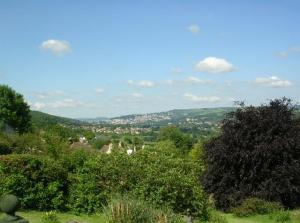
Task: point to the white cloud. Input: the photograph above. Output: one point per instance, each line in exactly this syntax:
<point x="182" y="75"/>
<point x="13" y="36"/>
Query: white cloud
<point x="289" y="51"/>
<point x="137" y="95"/>
<point x="169" y="82"/>
<point x="195" y="98"/>
<point x="49" y="94"/>
<point x="214" y="65"/>
<point x="176" y="70"/>
<point x="143" y="83"/>
<point x="99" y="90"/>
<point x="37" y="105"/>
<point x="194" y="28"/>
<point x="272" y="81"/>
<point x="58" y="47"/>
<point x="58" y="104"/>
<point x="196" y="80"/>
<point x="66" y="103"/>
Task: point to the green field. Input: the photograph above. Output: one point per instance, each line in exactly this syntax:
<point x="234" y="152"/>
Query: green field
<point x="35" y="217"/>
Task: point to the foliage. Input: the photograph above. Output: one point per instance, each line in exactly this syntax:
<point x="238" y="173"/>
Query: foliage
<point x="100" y="141"/>
<point x="158" y="181"/>
<point x="50" y="217"/>
<point x="42" y="120"/>
<point x="73" y="159"/>
<point x="281" y="216"/>
<point x="14" y="111"/>
<point x="129" y="210"/>
<point x="28" y="143"/>
<point x="150" y="175"/>
<point x="182" y="141"/>
<point x="196" y="153"/>
<point x="253" y="206"/>
<point x="39" y="182"/>
<point x="256" y="155"/>
<point x="5" y="144"/>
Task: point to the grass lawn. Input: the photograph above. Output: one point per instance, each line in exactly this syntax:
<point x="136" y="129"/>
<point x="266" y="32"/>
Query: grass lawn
<point x="35" y="217"/>
<point x="295" y="217"/>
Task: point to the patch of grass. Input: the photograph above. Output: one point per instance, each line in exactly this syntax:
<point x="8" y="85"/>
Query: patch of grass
<point x="231" y="218"/>
<point x="36" y="217"/>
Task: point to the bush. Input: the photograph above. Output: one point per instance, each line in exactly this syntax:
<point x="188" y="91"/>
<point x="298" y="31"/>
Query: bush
<point x="156" y="175"/>
<point x="256" y="155"/>
<point x="99" y="178"/>
<point x="129" y="210"/>
<point x="169" y="180"/>
<point x="39" y="182"/>
<point x="253" y="206"/>
<point x="5" y="144"/>
<point x="50" y="217"/>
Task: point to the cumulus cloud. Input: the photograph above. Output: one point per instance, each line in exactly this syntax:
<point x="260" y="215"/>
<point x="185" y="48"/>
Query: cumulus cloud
<point x="143" y="83"/>
<point x="58" y="47"/>
<point x="194" y="28"/>
<point x="196" y="80"/>
<point x="272" y="81"/>
<point x="289" y="51"/>
<point x="195" y="98"/>
<point x="214" y="65"/>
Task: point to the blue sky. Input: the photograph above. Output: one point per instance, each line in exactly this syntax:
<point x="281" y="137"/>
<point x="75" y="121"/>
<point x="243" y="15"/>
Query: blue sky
<point x="108" y="58"/>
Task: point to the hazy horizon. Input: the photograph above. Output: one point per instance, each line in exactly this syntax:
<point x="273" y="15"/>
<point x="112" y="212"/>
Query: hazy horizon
<point x="94" y="59"/>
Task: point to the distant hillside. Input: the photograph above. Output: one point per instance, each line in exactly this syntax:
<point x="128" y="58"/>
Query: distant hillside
<point x="177" y="117"/>
<point x="40" y="120"/>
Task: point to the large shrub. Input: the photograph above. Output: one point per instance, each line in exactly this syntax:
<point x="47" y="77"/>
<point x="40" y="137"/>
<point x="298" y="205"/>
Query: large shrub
<point x="157" y="175"/>
<point x="256" y="155"/>
<point x="166" y="178"/>
<point x="39" y="182"/>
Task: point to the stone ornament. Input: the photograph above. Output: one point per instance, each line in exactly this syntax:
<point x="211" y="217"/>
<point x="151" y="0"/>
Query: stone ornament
<point x="9" y="204"/>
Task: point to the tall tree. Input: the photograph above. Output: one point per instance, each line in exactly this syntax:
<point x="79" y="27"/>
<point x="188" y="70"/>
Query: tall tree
<point x="256" y="155"/>
<point x="14" y="111"/>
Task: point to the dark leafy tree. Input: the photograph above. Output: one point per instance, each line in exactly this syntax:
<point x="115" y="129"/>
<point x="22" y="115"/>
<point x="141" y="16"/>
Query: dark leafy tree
<point x="14" y="112"/>
<point x="256" y="155"/>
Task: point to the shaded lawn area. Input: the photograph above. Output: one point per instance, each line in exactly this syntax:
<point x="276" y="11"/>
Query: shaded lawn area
<point x="36" y="217"/>
<point x="295" y="218"/>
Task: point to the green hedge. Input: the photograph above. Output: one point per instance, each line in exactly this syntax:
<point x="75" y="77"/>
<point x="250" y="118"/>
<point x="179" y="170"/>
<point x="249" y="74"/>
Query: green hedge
<point x="39" y="182"/>
<point x="163" y="179"/>
<point x="84" y="182"/>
